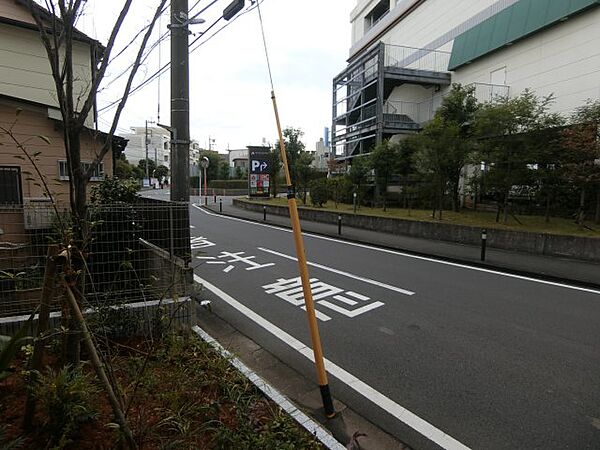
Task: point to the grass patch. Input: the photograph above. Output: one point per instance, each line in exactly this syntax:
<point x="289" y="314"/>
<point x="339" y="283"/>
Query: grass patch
<point x="479" y="219"/>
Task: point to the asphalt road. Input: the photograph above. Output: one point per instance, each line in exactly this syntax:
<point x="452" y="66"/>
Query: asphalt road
<point x="431" y="351"/>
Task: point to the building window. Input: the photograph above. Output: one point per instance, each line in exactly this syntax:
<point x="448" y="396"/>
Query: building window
<point x="10" y="186"/>
<point x="166" y="145"/>
<point x="377" y="14"/>
<point x="166" y="158"/>
<point x="63" y="171"/>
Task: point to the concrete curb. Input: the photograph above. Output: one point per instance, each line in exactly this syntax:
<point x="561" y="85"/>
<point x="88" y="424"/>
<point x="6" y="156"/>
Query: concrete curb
<point x="482" y="265"/>
<point x="320" y="433"/>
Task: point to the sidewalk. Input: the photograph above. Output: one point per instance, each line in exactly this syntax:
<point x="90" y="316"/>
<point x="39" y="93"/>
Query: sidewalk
<point x="550" y="268"/>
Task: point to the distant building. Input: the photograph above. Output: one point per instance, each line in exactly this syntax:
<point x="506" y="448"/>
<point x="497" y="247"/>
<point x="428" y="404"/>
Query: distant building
<point x="405" y="54"/>
<point x="158" y="140"/>
<point x="321" y="156"/>
<point x="238" y="158"/>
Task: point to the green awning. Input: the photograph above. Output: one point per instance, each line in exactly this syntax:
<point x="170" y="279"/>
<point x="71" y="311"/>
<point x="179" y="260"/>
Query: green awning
<point x="516" y="22"/>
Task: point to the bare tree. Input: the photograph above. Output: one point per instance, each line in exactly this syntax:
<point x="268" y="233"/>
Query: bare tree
<point x="57" y="27"/>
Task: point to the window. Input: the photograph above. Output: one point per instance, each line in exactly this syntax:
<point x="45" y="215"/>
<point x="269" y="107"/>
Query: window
<point x="377" y="14"/>
<point x="63" y="171"/>
<point x="166" y="158"/>
<point x="10" y="186"/>
<point x="166" y="145"/>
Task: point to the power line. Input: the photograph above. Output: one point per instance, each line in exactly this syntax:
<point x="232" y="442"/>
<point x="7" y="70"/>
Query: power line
<point x="163" y="69"/>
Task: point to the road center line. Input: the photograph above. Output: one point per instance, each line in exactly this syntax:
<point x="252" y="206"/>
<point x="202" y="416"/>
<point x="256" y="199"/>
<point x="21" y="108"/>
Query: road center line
<point x="399" y="412"/>
<point x="408" y="255"/>
<point x="341" y="272"/>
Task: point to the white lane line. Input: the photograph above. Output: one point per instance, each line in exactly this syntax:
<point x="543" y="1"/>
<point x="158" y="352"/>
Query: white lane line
<point x="391" y="407"/>
<point x="408" y="255"/>
<point x="341" y="272"/>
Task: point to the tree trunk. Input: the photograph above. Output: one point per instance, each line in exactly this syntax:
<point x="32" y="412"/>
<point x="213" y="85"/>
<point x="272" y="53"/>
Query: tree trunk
<point x="455" y="196"/>
<point x="581" y="212"/>
<point x="505" y="207"/>
<point x="597" y="215"/>
<point x="78" y="186"/>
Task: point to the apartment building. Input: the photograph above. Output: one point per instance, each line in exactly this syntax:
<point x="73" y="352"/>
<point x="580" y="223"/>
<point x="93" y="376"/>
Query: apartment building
<point x="405" y="55"/>
<point x="151" y="142"/>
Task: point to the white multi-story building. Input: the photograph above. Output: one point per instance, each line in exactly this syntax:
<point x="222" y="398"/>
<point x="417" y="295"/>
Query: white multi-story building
<point x="405" y="55"/>
<point x="158" y="140"/>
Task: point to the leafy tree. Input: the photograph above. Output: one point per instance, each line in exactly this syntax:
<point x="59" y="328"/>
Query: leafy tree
<point x="318" y="192"/>
<point x="161" y="172"/>
<point x="506" y="129"/>
<point x="437" y="143"/>
<point x="406" y="166"/>
<point x="124" y="170"/>
<point x="224" y="171"/>
<point x="384" y="160"/>
<point x="582" y="156"/>
<point x="142" y="167"/>
<point x="304" y="173"/>
<point x="294" y="147"/>
<point x="359" y="176"/>
<point x="339" y="189"/>
<point x="214" y="163"/>
<point x="240" y="173"/>
<point x="274" y="169"/>
<point x="458" y="111"/>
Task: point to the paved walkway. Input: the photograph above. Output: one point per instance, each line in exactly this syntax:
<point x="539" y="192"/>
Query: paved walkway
<point x="552" y="268"/>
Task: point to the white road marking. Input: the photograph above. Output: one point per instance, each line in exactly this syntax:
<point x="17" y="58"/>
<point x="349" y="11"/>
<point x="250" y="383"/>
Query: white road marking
<point x="351" y="313"/>
<point x="319" y="315"/>
<point x="377" y="398"/>
<point x="408" y="255"/>
<point x="341" y="272"/>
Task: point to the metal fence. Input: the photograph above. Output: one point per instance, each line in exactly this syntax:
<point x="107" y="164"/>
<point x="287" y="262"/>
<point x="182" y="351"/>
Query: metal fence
<point x="133" y="252"/>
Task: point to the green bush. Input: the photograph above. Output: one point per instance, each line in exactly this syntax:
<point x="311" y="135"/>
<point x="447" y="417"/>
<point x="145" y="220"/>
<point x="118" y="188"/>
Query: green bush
<point x="228" y="184"/>
<point x="340" y="189"/>
<point x="318" y="192"/>
<point x="115" y="190"/>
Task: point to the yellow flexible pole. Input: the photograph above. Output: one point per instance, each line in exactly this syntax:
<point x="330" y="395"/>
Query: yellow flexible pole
<point x="303" y="268"/>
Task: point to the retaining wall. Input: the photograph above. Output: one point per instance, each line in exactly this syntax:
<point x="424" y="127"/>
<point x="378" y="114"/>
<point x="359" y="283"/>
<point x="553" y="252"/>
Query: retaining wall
<point x="587" y="249"/>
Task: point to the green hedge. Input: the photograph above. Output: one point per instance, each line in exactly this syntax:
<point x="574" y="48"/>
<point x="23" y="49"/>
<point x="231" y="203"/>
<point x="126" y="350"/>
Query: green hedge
<point x="228" y="184"/>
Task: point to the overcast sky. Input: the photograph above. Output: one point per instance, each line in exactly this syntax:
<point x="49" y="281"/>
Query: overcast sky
<point x="230" y="92"/>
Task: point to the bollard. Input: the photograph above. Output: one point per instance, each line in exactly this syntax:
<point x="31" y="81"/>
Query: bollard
<point x="264" y="213"/>
<point x="354" y="201"/>
<point x="340" y="225"/>
<point x="483" y="243"/>
<point x="205" y="201"/>
<point x="214" y="198"/>
<point x="220" y="205"/>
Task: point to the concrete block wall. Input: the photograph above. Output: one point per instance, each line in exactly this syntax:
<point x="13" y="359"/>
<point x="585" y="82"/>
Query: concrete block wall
<point x="582" y="248"/>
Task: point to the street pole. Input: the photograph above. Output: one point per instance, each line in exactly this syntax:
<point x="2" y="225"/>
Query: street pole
<point x="180" y="102"/>
<point x="146" y="141"/>
<point x="199" y="184"/>
<point x="205" y="188"/>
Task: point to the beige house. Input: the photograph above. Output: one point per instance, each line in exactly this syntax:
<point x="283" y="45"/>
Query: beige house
<point x="28" y="105"/>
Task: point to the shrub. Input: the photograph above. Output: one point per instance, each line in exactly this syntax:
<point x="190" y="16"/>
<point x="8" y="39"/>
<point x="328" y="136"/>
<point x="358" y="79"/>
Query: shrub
<point x="65" y="397"/>
<point x="228" y="184"/>
<point x="318" y="192"/>
<point x="115" y="190"/>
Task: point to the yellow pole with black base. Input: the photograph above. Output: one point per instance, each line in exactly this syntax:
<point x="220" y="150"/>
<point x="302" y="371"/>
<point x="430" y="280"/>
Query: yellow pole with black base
<point x="303" y="267"/>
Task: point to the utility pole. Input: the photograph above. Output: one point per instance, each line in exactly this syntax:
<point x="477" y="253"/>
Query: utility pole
<point x="146" y="141"/>
<point x="180" y="102"/>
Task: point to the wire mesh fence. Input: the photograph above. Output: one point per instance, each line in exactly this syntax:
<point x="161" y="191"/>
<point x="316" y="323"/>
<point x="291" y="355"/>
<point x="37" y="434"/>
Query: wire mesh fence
<point x="137" y="252"/>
